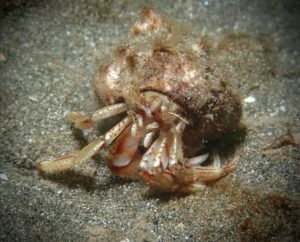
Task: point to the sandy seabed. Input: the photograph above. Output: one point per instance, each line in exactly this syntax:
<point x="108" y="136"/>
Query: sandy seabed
<point x="50" y="52"/>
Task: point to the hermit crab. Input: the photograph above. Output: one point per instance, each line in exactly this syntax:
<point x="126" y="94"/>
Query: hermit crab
<point x="175" y="99"/>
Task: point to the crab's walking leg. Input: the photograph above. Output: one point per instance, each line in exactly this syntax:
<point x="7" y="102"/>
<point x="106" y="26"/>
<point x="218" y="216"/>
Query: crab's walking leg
<point x="69" y="161"/>
<point x="161" y="161"/>
<point x="123" y="156"/>
<point x="87" y="120"/>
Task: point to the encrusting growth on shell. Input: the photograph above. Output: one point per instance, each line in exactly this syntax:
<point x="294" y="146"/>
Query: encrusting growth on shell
<point x="175" y="97"/>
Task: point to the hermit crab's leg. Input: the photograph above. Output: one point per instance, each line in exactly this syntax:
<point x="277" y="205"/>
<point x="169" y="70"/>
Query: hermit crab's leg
<point x="87" y="120"/>
<point x="176" y="152"/>
<point x="150" y="160"/>
<point x="69" y="161"/>
<point x="123" y="156"/>
<point x="148" y="139"/>
<point x="162" y="179"/>
<point x="149" y="136"/>
<point x="161" y="161"/>
<point x="137" y="124"/>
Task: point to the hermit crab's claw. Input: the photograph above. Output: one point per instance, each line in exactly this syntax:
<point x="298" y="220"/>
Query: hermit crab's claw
<point x="164" y="167"/>
<point x="206" y="174"/>
<point x="188" y="178"/>
<point x="84" y="121"/>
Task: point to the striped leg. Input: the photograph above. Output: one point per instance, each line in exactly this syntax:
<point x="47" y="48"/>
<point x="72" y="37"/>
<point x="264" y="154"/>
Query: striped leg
<point x="75" y="159"/>
<point x="87" y="120"/>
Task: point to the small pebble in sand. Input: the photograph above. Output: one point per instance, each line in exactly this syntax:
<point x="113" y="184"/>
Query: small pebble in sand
<point x="3" y="177"/>
<point x="2" y="57"/>
<point x="250" y="99"/>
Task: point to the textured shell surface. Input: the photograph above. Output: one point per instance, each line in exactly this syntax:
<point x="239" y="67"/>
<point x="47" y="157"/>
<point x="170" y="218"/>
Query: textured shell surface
<point x="167" y="57"/>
